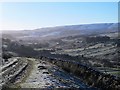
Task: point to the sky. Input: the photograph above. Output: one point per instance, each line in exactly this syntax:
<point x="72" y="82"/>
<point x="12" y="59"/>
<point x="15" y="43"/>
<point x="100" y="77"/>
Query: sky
<point x="32" y="15"/>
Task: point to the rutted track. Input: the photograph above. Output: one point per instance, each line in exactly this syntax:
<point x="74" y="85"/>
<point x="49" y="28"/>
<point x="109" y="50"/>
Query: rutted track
<point x="47" y="75"/>
<point x="12" y="70"/>
<point x="39" y="74"/>
<point x="9" y="65"/>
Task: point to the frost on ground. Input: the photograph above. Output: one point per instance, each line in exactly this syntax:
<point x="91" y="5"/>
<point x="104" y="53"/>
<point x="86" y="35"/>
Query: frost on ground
<point x="46" y="75"/>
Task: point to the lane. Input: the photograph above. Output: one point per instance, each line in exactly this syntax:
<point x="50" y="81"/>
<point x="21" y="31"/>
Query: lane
<point x="40" y="77"/>
<point x="47" y="75"/>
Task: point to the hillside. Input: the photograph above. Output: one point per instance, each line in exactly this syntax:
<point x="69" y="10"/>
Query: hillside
<point x="62" y="31"/>
<point x="80" y="56"/>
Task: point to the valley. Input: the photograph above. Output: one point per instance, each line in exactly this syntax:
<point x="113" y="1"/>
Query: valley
<point x="62" y="57"/>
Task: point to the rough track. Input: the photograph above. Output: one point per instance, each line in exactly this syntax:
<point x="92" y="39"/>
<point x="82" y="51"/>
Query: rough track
<point x="11" y="70"/>
<point x="47" y="75"/>
<point x="39" y="74"/>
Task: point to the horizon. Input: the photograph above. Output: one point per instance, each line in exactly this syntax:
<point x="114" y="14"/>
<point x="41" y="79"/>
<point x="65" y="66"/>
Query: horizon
<point x="59" y="26"/>
<point x="29" y="15"/>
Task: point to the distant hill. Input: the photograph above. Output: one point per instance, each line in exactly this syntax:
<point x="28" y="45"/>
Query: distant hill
<point x="63" y="31"/>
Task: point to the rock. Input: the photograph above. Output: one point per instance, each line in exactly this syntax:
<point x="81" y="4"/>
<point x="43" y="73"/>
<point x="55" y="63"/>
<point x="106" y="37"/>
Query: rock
<point x="45" y="72"/>
<point x="41" y="67"/>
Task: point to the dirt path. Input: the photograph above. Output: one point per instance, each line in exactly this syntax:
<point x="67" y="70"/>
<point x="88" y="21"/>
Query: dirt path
<point x="40" y="77"/>
<point x="47" y="75"/>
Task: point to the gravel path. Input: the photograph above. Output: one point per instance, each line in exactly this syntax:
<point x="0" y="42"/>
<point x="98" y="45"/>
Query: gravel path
<point x="47" y="75"/>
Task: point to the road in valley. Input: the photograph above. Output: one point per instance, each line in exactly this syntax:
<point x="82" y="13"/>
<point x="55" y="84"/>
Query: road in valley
<point x="35" y="73"/>
<point x="47" y="75"/>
